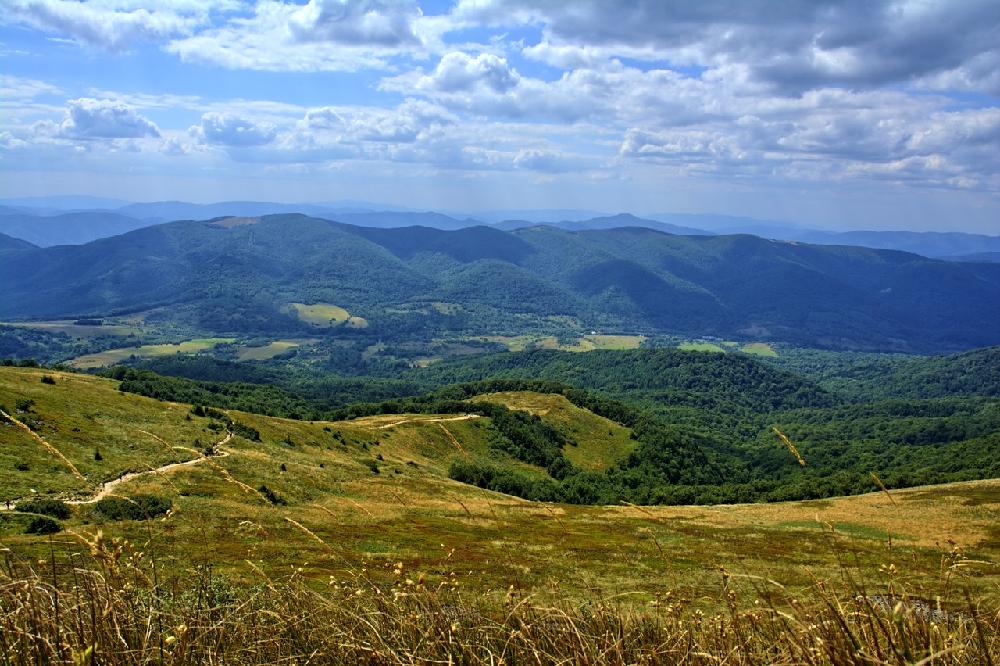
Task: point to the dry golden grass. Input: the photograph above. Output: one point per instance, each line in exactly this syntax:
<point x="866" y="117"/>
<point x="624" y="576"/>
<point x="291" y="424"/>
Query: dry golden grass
<point x="112" y="603"/>
<point x="346" y="516"/>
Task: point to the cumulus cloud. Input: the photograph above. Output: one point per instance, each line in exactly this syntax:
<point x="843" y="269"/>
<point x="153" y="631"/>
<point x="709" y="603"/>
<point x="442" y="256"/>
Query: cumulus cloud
<point x="820" y="91"/>
<point x="223" y="129"/>
<point x="792" y="46"/>
<point x="112" y="24"/>
<point x="104" y="119"/>
<point x="323" y="35"/>
<point x="952" y="149"/>
<point x="356" y="22"/>
<point x="549" y="161"/>
<point x="458" y="72"/>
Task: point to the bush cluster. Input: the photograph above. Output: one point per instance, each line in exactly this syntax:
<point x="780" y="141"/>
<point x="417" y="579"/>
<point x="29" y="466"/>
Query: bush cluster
<point x="134" y="507"/>
<point x="47" y="507"/>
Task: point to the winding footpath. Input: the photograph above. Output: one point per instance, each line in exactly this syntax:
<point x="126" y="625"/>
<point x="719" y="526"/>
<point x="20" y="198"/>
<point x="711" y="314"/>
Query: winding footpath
<point x="108" y="487"/>
<point x="432" y="420"/>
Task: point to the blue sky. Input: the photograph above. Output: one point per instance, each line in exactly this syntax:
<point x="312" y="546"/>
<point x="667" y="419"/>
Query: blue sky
<point x="838" y="114"/>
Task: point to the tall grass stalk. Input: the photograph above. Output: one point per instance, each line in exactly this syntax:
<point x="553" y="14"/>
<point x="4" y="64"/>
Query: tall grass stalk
<point x="111" y="606"/>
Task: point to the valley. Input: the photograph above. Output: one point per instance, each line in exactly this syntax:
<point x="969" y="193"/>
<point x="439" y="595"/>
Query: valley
<point x="499" y="333"/>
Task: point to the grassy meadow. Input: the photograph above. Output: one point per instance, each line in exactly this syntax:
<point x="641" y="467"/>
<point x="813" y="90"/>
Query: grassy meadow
<point x="112" y="356"/>
<point x="360" y="520"/>
<point x="269" y="350"/>
<point x="327" y="315"/>
<point x="517" y="343"/>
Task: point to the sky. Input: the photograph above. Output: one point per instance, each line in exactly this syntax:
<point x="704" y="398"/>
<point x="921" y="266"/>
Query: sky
<point x="840" y="114"/>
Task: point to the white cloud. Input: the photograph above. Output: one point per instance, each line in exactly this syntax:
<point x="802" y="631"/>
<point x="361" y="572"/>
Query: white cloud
<point x="356" y="22"/>
<point x="104" y="119"/>
<point x="9" y="141"/>
<point x="112" y="24"/>
<point x="223" y="129"/>
<point x="790" y="47"/>
<point x="459" y="72"/>
<point x="323" y="35"/>
<point x="20" y="90"/>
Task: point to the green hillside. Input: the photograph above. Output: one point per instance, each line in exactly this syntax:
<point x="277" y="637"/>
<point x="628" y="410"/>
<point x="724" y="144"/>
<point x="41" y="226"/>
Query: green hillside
<point x="374" y="491"/>
<point x="702" y="423"/>
<point x="319" y="537"/>
<point x="237" y="275"/>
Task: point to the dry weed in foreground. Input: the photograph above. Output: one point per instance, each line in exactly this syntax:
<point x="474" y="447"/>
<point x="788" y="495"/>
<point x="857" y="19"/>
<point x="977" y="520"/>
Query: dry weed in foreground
<point x="116" y="606"/>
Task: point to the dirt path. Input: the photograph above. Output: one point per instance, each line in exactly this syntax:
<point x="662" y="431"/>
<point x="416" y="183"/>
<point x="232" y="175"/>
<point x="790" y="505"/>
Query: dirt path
<point x="465" y="417"/>
<point x="108" y="487"/>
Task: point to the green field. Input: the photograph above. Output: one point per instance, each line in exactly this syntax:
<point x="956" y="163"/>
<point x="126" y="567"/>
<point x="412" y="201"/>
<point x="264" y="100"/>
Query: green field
<point x="269" y="350"/>
<point x="327" y="315"/>
<point x="112" y="356"/>
<point x="755" y="348"/>
<point x="585" y="343"/>
<point x="759" y="349"/>
<point x="701" y="346"/>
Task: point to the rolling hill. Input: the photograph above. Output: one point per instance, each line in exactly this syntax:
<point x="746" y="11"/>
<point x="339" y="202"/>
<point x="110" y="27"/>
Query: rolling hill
<point x="72" y="228"/>
<point x="244" y="485"/>
<point x="634" y="278"/>
<point x="9" y="244"/>
<point x="620" y="221"/>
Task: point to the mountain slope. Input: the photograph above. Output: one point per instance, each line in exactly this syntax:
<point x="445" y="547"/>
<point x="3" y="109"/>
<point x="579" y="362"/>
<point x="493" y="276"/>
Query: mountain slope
<point x="199" y="261"/>
<point x="629" y="278"/>
<point x="11" y="244"/>
<point x="68" y="228"/>
<point x="620" y="221"/>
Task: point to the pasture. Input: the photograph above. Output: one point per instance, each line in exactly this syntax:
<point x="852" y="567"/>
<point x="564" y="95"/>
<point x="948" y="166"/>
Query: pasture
<point x="327" y="315"/>
<point x="112" y="356"/>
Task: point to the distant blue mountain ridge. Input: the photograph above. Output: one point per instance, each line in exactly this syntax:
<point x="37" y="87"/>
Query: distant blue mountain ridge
<point x="73" y="220"/>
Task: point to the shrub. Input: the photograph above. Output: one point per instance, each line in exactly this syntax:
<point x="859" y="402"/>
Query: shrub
<point x="42" y="525"/>
<point x="245" y="431"/>
<point x="48" y="379"/>
<point x="49" y="507"/>
<point x="271" y="496"/>
<point x="134" y="507"/>
<point x="97" y="455"/>
<point x="372" y="465"/>
<point x="21" y="466"/>
<point x="24" y="405"/>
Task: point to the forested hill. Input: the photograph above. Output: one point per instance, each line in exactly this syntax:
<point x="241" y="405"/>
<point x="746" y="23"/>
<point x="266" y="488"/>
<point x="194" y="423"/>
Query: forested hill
<point x="8" y="243"/>
<point x="703" y="421"/>
<point x="246" y="271"/>
<point x="878" y="376"/>
<point x="723" y="382"/>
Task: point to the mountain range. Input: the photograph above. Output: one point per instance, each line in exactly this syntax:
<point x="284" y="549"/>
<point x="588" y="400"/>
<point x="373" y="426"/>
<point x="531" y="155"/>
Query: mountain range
<point x="72" y="220"/>
<point x="238" y="273"/>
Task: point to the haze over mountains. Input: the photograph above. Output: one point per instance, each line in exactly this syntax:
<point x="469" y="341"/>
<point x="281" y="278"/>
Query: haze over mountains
<point x="239" y="274"/>
<point x="72" y="220"/>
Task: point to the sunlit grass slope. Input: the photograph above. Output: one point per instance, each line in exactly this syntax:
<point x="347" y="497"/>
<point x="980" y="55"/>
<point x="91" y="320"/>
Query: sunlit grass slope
<point x="373" y="493"/>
